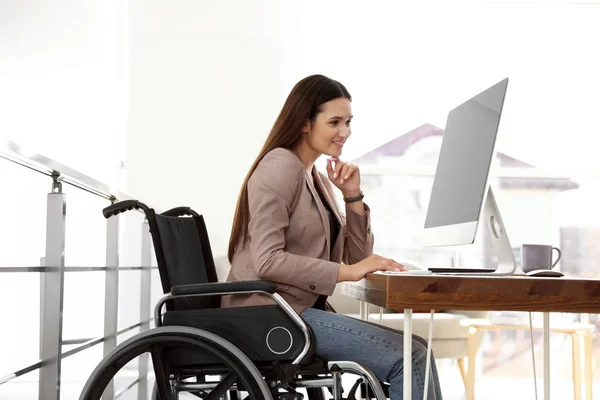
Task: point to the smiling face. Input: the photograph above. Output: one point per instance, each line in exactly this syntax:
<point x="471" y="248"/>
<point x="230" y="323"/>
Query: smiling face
<point x="328" y="131"/>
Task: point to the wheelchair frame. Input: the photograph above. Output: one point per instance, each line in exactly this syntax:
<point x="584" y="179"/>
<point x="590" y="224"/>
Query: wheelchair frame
<point x="240" y="373"/>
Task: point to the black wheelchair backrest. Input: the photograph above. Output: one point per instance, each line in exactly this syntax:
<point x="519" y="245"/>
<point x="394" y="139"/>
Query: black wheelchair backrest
<point x="183" y="255"/>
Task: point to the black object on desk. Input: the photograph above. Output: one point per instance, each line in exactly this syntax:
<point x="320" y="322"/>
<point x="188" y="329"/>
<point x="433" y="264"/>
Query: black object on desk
<point x="444" y="270"/>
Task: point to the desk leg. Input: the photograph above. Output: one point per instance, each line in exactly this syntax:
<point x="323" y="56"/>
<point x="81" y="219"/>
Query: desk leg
<point x="407" y="354"/>
<point x="546" y="327"/>
<point x="587" y="351"/>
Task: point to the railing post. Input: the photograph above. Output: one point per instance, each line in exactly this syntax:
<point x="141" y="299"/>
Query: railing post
<point x="51" y="311"/>
<point x="111" y="293"/>
<point x="145" y="289"/>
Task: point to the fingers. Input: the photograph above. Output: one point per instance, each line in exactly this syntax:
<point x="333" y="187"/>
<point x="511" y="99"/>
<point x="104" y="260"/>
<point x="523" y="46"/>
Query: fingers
<point x="398" y="266"/>
<point x="338" y="167"/>
<point x="347" y="171"/>
<point x="342" y="170"/>
<point x="377" y="263"/>
<point x="390" y="265"/>
<point x="330" y="168"/>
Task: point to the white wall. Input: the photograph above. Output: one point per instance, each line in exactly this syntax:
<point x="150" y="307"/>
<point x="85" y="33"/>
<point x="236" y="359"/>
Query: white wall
<point x="207" y="81"/>
<point x="208" y="78"/>
<point x="63" y="81"/>
<point x="410" y="62"/>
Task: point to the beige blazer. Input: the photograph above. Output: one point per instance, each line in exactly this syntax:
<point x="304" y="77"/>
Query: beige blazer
<point x="289" y="234"/>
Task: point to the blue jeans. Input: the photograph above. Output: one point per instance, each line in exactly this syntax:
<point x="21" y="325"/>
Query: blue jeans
<point x="377" y="347"/>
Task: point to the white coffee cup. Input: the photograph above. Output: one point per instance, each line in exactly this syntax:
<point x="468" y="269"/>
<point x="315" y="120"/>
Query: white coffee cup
<point x="538" y="256"/>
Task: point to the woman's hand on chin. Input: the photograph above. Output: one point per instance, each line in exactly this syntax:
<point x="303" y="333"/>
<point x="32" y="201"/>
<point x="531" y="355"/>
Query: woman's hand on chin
<point x="345" y="176"/>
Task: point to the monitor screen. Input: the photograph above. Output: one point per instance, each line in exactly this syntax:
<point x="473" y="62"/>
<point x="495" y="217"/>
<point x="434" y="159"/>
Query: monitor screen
<point x="466" y="154"/>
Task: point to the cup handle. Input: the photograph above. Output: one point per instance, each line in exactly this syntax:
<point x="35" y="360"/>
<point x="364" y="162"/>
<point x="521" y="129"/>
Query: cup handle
<point x="559" y="256"/>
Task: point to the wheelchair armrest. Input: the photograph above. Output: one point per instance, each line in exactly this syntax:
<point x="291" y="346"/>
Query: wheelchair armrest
<point x="214" y="289"/>
<point x="217" y="288"/>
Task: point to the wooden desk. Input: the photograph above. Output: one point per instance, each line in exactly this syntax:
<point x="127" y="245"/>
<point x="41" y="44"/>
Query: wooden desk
<point x="489" y="293"/>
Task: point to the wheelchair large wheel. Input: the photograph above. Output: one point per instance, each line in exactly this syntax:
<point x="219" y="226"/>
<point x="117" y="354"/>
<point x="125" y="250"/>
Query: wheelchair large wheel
<point x="240" y="368"/>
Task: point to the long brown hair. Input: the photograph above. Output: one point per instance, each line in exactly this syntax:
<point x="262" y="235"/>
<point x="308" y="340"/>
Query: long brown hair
<point x="303" y="103"/>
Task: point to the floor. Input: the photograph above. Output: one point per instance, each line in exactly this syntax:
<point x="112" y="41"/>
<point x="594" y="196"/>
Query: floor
<point x="504" y="372"/>
<point x="489" y="387"/>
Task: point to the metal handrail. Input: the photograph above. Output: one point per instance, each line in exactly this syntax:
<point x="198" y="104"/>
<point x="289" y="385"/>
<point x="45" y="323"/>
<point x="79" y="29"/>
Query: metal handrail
<point x="51" y="342"/>
<point x="73" y="269"/>
<point x="13" y="152"/>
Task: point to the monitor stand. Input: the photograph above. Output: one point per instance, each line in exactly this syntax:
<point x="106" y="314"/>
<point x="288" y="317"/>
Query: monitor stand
<point x="497" y="234"/>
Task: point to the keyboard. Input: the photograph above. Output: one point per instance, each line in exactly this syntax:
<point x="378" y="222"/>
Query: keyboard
<point x="446" y="270"/>
<point x="409" y="272"/>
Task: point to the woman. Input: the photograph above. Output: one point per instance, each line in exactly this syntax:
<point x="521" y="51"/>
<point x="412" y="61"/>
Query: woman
<point x="288" y="229"/>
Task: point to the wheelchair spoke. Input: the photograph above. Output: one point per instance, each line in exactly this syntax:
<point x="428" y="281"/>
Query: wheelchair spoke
<point x="222" y="387"/>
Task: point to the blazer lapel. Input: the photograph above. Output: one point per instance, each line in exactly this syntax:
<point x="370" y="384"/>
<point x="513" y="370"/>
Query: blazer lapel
<point x="322" y="212"/>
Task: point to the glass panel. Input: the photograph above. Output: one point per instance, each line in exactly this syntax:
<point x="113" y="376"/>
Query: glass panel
<point x="85" y="236"/>
<point x="22" y="388"/>
<point x="580" y="229"/>
<point x="129" y="372"/>
<point x="83" y="305"/>
<point x="537" y="206"/>
<point x="20" y="333"/>
<point x="76" y="369"/>
<point x="129" y="298"/>
<point x="132" y="392"/>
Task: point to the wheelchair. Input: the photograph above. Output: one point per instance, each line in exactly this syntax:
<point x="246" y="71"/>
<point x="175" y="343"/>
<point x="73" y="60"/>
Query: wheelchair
<point x="260" y="352"/>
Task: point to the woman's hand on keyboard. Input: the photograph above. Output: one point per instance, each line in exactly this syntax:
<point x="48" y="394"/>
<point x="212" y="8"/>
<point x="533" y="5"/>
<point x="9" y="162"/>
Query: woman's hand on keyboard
<point x="356" y="272"/>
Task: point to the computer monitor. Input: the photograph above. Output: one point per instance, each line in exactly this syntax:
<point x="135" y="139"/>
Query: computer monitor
<point x="461" y="198"/>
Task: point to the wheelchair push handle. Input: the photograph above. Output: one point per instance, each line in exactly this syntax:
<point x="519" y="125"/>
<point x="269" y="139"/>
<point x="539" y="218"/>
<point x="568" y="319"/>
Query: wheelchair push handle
<point x="123" y="206"/>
